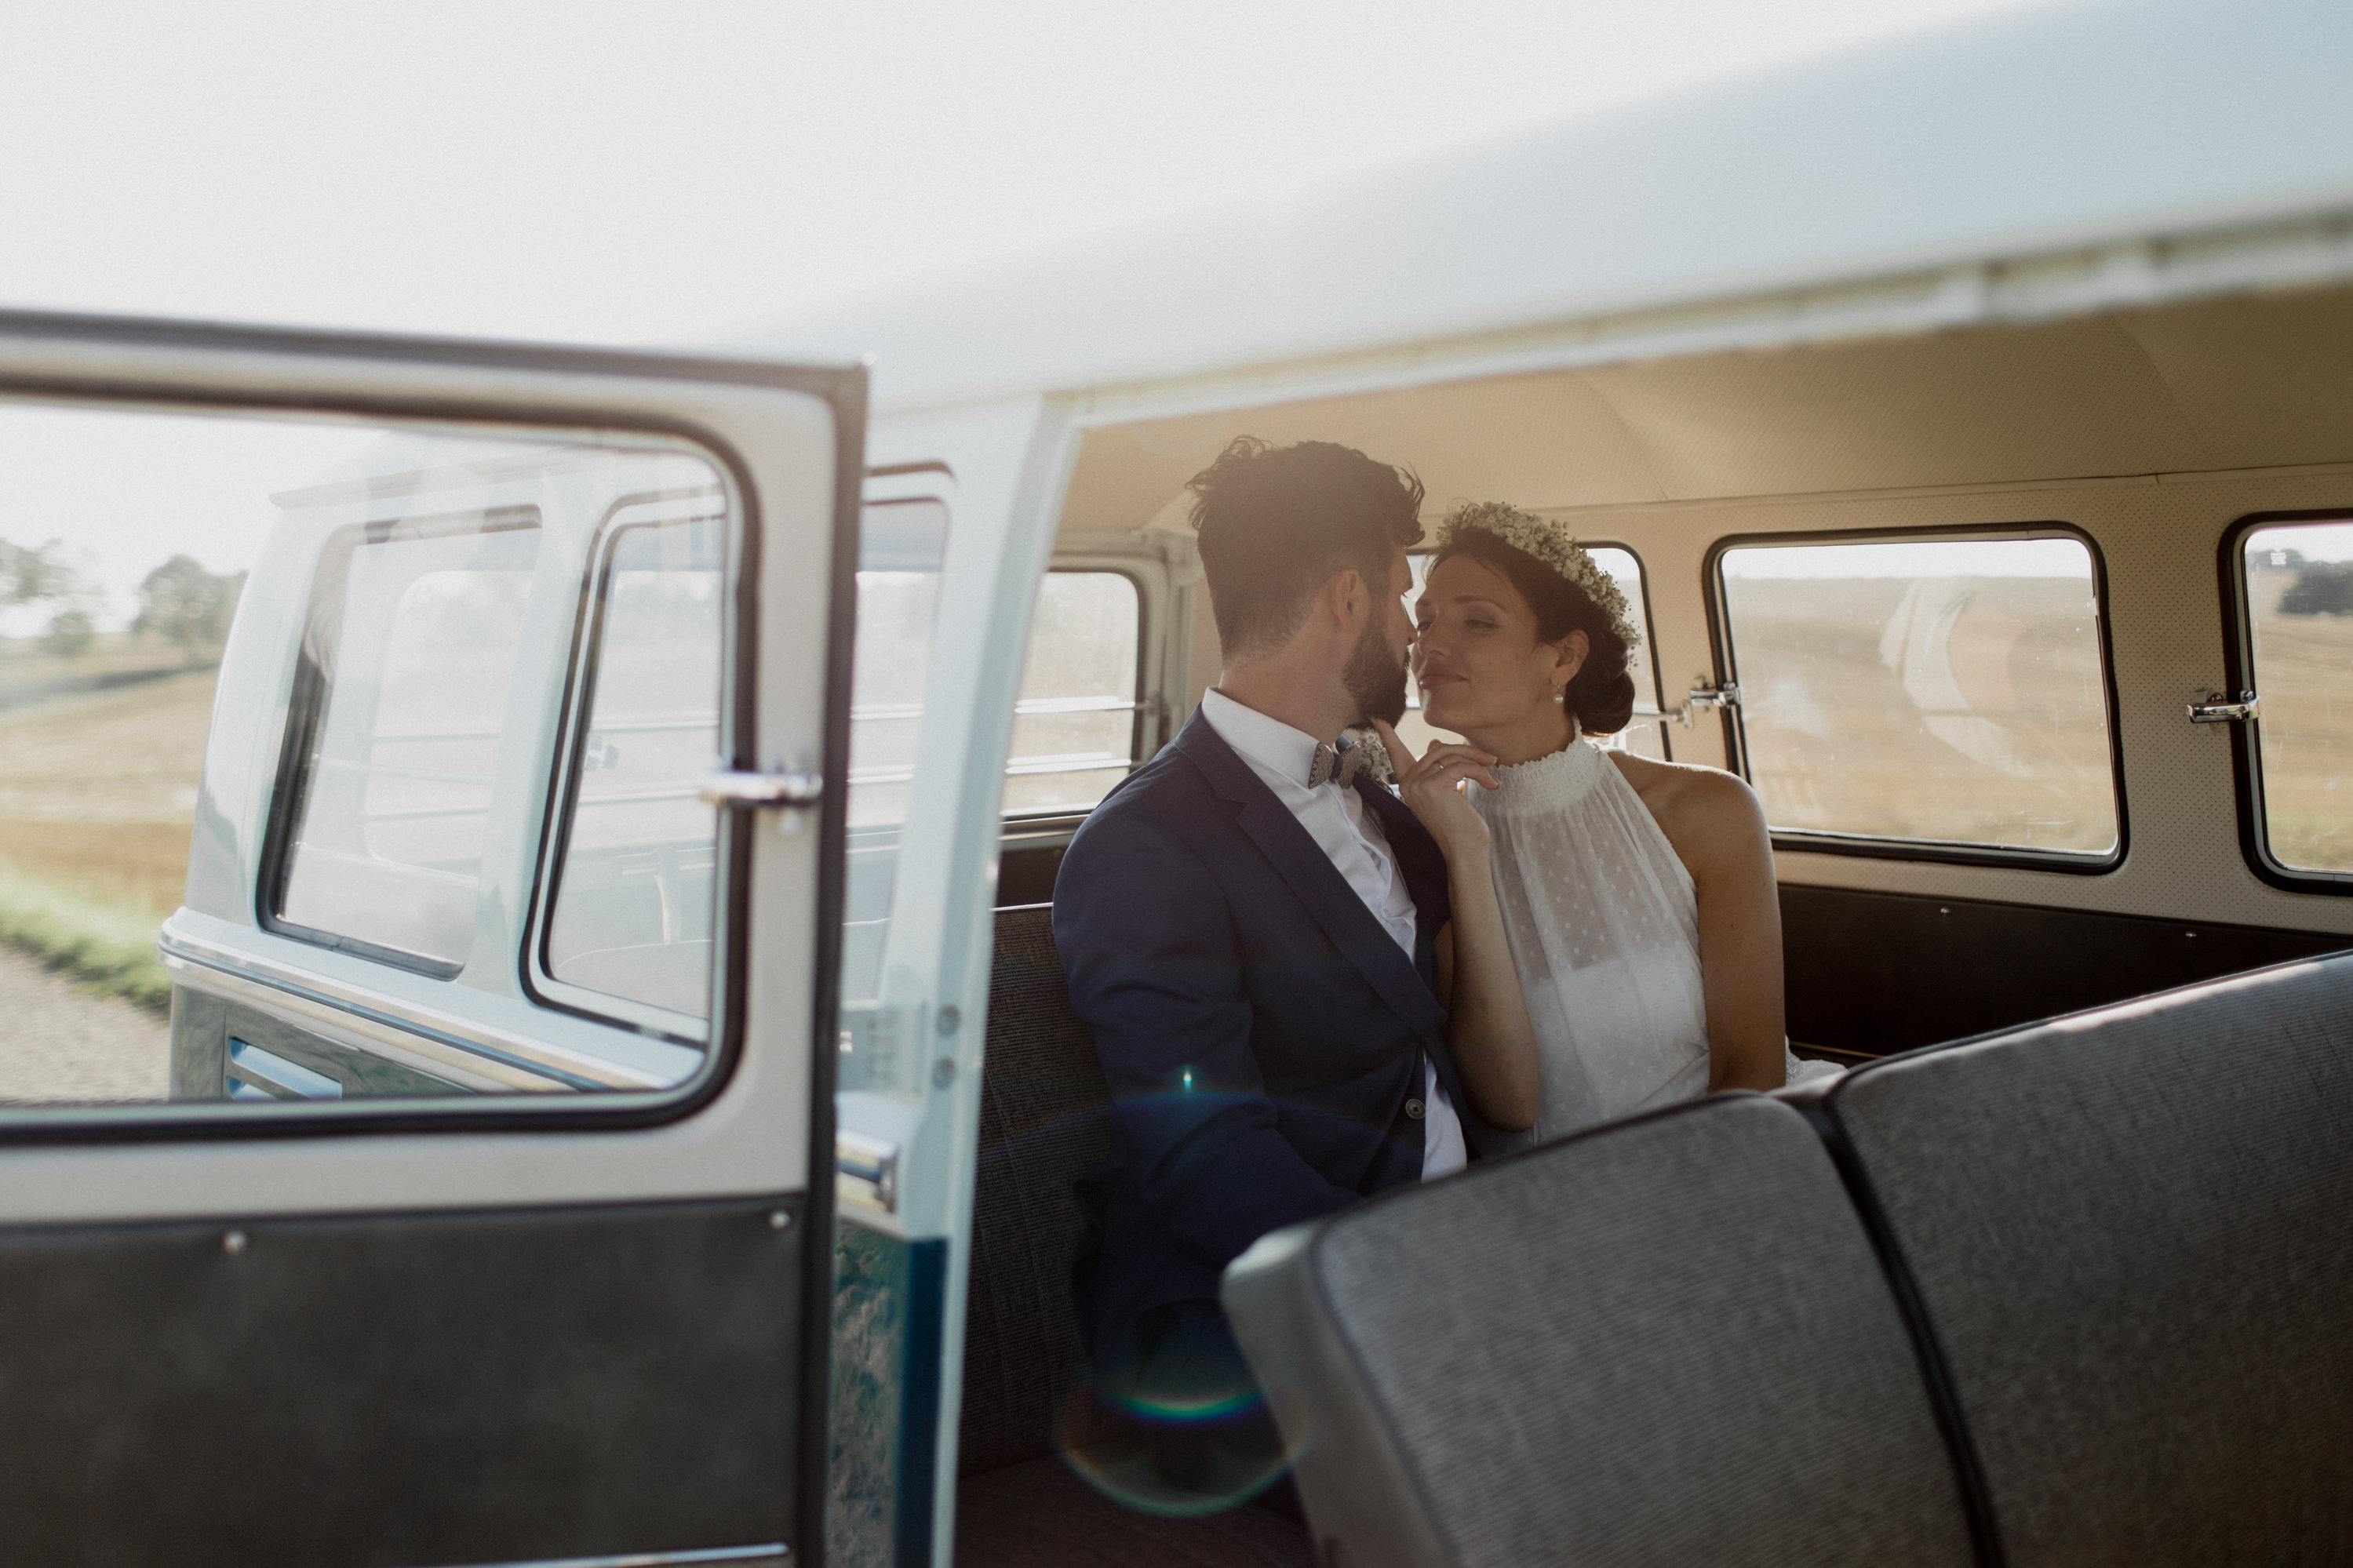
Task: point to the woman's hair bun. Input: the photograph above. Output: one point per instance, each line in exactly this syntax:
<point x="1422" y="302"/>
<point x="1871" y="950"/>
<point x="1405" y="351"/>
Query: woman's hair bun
<point x="1602" y="699"/>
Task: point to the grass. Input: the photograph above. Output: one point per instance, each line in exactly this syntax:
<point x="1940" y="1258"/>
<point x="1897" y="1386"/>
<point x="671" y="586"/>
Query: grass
<point x="110" y="945"/>
<point x="97" y="790"/>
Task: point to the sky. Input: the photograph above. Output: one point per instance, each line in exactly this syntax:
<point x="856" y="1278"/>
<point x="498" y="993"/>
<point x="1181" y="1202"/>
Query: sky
<point x="626" y="174"/>
<point x="616" y="173"/>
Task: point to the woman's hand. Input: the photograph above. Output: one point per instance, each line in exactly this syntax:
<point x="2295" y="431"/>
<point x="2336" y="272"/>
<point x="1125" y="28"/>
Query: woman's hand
<point x="1432" y="785"/>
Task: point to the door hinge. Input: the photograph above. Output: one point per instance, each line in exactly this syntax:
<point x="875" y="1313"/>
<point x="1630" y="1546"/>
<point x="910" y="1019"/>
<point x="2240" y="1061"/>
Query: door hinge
<point x="2218" y="708"/>
<point x="753" y="792"/>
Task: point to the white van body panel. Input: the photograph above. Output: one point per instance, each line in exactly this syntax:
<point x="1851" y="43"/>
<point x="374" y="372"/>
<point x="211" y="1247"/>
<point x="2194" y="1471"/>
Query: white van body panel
<point x="2056" y="159"/>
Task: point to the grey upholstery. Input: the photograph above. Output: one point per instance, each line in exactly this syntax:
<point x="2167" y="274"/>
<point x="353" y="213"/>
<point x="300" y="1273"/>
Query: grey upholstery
<point x="2132" y="1232"/>
<point x="1043" y="1123"/>
<point x="1667" y="1340"/>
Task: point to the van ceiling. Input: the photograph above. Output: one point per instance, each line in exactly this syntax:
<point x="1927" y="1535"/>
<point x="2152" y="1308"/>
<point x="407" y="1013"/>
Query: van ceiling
<point x="2247" y="382"/>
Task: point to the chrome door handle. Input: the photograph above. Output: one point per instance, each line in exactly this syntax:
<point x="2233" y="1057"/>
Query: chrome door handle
<point x="2217" y="708"/>
<point x="752" y="791"/>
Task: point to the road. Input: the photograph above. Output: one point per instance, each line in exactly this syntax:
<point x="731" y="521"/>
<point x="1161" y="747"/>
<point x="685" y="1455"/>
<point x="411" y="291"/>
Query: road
<point x="57" y="1042"/>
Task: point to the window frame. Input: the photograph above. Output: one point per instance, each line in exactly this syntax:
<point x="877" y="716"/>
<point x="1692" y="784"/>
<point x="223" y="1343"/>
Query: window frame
<point x="2239" y="675"/>
<point x="1030" y="827"/>
<point x="580" y="670"/>
<point x="1947" y="852"/>
<point x="306" y="711"/>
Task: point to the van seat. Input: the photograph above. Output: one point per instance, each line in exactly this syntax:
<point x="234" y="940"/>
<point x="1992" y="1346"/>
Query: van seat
<point x="2132" y="1231"/>
<point x="1045" y="1122"/>
<point x="1668" y="1339"/>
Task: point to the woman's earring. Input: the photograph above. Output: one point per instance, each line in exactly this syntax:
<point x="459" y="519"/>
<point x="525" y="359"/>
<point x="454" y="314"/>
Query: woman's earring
<point x="1561" y="695"/>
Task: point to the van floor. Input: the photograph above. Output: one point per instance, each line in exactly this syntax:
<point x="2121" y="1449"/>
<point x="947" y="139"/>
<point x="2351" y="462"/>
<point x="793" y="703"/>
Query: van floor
<point x="1040" y="1515"/>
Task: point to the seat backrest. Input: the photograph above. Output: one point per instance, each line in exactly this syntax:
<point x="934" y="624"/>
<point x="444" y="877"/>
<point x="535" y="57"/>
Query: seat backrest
<point x="1665" y="1341"/>
<point x="2132" y="1234"/>
<point x="1044" y="1121"/>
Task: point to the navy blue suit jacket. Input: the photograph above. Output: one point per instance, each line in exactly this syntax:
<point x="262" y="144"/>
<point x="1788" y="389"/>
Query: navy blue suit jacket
<point x="1259" y="1029"/>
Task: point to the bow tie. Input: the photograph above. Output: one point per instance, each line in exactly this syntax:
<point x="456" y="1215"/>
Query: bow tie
<point x="1335" y="764"/>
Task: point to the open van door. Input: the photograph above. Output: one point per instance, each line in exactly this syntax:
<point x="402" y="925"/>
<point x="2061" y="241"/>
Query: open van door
<point x="484" y="1214"/>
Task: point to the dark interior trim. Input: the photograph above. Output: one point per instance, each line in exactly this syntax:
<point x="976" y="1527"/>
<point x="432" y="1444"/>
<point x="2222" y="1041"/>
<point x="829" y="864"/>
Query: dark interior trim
<point x="1871" y="973"/>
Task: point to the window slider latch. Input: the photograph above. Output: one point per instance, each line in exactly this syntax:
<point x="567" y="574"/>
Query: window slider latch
<point x="2218" y="708"/>
<point x="1706" y="693"/>
<point x="792" y="790"/>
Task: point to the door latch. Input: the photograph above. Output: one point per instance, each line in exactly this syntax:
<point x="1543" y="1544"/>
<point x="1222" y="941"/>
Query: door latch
<point x="2217" y="708"/>
<point x="1706" y="693"/>
<point x="729" y="787"/>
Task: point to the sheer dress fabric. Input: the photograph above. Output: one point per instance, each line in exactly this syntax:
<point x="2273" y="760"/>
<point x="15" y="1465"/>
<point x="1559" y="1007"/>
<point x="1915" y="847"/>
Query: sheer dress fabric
<point x="1604" y="927"/>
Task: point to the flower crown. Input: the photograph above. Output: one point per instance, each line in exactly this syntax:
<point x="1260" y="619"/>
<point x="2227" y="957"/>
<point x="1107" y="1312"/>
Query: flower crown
<point x="1552" y="545"/>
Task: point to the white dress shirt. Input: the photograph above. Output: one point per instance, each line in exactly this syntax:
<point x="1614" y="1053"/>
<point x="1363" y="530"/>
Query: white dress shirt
<point x="1350" y="838"/>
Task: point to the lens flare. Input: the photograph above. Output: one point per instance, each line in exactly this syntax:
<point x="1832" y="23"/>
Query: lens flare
<point x="1178" y="1456"/>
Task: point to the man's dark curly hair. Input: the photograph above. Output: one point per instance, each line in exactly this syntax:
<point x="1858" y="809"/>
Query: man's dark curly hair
<point x="1276" y="522"/>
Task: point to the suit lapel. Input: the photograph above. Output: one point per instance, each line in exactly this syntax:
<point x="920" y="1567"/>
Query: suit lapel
<point x="1335" y="906"/>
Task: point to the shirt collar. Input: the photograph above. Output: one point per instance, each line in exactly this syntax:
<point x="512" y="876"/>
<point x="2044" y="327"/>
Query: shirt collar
<point x="1269" y="742"/>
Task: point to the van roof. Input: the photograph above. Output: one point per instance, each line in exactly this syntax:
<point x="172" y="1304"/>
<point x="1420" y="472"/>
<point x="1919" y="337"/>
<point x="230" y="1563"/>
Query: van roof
<point x="2167" y="147"/>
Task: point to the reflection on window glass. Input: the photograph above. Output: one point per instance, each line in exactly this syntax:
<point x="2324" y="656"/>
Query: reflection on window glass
<point x="1948" y="690"/>
<point x="1074" y="729"/>
<point x="634" y="894"/>
<point x="903" y="546"/>
<point x="332" y="658"/>
<point x="413" y="644"/>
<point x="1646" y="734"/>
<point x="2299" y="609"/>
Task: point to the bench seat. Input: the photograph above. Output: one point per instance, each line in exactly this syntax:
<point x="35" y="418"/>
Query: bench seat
<point x="2068" y="1294"/>
<point x="1044" y="1122"/>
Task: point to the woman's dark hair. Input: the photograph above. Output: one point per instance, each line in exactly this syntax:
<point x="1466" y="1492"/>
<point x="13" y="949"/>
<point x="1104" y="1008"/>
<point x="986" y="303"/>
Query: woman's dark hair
<point x="1276" y="522"/>
<point x="1602" y="694"/>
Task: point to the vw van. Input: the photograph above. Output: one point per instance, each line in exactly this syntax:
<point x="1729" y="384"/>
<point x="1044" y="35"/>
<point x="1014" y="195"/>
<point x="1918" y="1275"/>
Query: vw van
<point x="618" y="1103"/>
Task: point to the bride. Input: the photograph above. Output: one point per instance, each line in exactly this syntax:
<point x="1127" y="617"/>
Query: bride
<point x="1635" y="897"/>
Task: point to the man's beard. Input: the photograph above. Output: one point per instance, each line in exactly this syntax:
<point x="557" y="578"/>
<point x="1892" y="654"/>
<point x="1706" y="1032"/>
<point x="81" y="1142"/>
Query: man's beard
<point x="1375" y="679"/>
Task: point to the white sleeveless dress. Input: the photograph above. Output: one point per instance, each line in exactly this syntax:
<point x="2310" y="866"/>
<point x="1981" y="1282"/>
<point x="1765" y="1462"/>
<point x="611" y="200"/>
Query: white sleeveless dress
<point x="1604" y="927"/>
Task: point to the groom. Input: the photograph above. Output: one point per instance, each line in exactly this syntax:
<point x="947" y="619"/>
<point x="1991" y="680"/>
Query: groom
<point x="1249" y="926"/>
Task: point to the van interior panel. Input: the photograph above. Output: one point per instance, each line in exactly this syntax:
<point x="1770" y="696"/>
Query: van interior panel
<point x="449" y="1388"/>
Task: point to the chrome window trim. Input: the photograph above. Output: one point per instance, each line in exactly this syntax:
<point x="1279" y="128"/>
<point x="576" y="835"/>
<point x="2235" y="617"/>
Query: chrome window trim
<point x="442" y="1039"/>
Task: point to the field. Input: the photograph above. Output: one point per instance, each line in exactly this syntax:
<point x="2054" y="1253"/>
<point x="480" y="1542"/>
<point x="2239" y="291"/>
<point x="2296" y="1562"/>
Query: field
<point x="99" y="757"/>
<point x="1962" y="709"/>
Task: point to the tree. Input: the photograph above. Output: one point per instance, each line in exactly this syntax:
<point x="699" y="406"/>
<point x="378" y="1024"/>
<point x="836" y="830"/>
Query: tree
<point x="2321" y="588"/>
<point x="71" y="633"/>
<point x="29" y="573"/>
<point x="182" y="601"/>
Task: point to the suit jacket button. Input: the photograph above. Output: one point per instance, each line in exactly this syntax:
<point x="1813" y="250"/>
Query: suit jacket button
<point x="1415" y="1110"/>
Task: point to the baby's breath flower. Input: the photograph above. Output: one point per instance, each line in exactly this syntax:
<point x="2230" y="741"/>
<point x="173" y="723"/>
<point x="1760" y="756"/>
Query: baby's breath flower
<point x="1549" y="542"/>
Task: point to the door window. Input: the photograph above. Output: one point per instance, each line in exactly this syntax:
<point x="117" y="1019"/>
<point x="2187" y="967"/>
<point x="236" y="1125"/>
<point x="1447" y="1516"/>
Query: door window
<point x="635" y="875"/>
<point x="2296" y="601"/>
<point x="280" y="705"/>
<point x="407" y="663"/>
<point x="1926" y="692"/>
